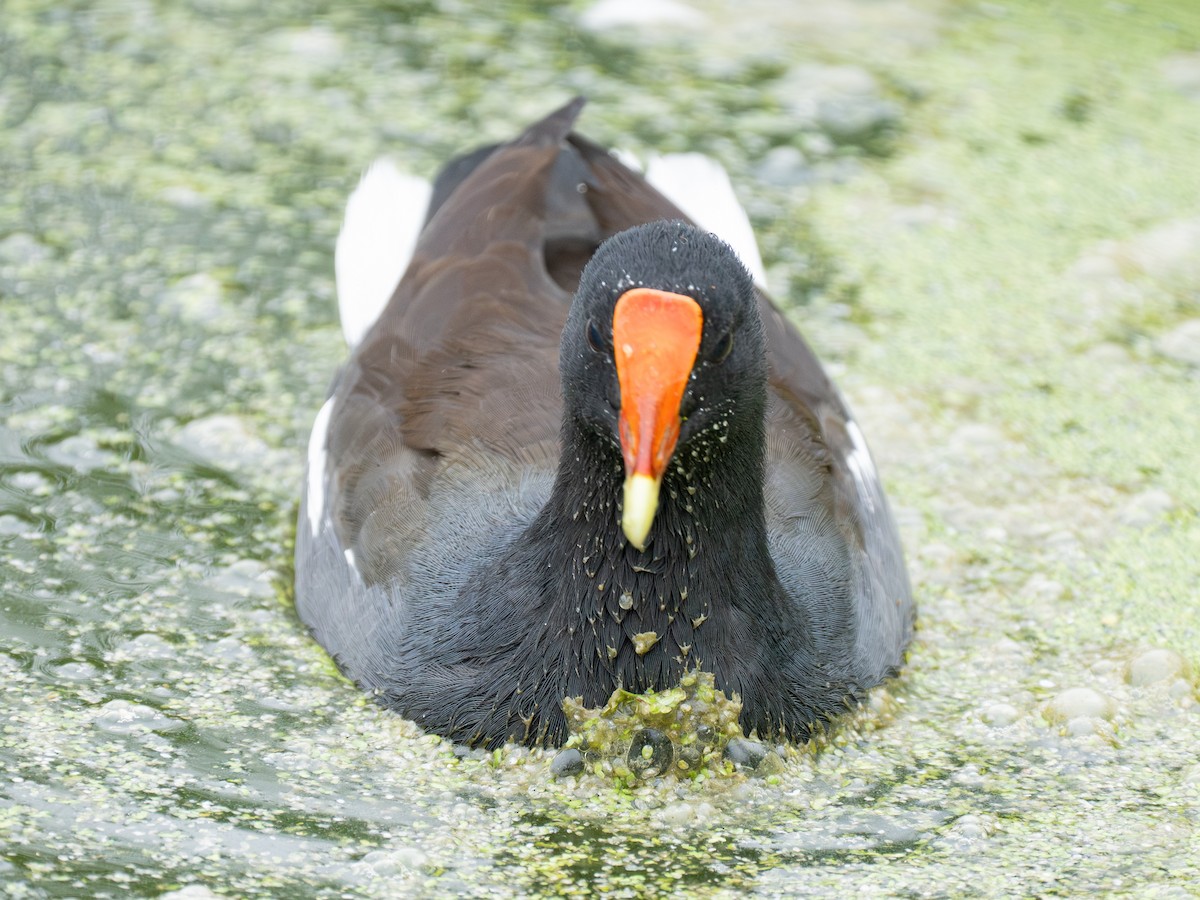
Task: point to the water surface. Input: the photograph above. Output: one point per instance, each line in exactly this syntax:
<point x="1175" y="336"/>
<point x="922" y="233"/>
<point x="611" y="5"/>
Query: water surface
<point x="986" y="217"/>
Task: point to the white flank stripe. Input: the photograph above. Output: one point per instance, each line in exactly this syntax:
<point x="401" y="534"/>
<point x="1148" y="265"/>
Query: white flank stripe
<point x="699" y="186"/>
<point x="316" y="466"/>
<point x="383" y="220"/>
<point x="861" y="465"/>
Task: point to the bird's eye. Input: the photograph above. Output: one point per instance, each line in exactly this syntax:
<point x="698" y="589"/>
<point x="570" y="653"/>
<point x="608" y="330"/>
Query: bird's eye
<point x="594" y="338"/>
<point x="724" y="345"/>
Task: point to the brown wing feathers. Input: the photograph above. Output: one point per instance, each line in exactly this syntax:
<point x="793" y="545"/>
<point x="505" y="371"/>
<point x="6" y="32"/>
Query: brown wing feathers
<point x="467" y="348"/>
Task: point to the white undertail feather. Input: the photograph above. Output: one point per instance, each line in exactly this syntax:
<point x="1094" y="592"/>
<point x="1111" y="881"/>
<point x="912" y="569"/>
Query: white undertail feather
<point x="628" y="159"/>
<point x="383" y="220"/>
<point x="699" y="186"/>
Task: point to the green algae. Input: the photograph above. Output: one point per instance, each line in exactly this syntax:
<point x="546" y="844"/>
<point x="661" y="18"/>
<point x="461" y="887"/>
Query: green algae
<point x="987" y="298"/>
<point x="695" y="717"/>
<point x="1017" y="408"/>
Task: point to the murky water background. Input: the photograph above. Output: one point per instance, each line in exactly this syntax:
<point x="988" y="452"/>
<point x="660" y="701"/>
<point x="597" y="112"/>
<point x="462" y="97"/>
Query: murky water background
<point x="986" y="217"/>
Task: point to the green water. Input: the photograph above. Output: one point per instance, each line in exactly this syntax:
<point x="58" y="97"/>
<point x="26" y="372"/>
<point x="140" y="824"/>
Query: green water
<point x="994" y="275"/>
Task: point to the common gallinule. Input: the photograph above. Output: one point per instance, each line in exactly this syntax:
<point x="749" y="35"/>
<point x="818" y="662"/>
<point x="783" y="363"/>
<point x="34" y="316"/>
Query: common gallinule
<point x="580" y="450"/>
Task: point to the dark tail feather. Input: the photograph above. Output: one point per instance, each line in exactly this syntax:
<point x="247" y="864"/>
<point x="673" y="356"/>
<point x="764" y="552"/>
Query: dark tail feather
<point x="553" y="129"/>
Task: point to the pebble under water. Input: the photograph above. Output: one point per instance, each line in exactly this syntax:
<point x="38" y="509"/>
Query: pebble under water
<point x="984" y="216"/>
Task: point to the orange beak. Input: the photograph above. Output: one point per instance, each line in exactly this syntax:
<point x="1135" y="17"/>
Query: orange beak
<point x="656" y="336"/>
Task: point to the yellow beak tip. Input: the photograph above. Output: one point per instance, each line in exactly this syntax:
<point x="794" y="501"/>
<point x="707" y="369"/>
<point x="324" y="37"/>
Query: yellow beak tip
<point x="640" y="505"/>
